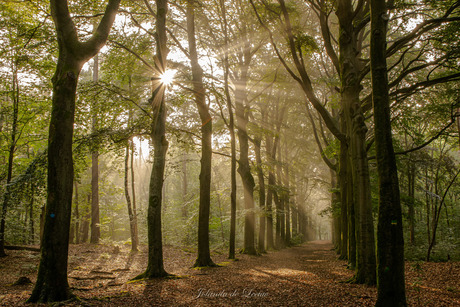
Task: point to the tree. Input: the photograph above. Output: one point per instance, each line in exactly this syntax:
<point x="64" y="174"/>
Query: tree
<point x="155" y="267"/>
<point x="52" y="284"/>
<point x="204" y="256"/>
<point x="390" y="241"/>
<point x="95" y="222"/>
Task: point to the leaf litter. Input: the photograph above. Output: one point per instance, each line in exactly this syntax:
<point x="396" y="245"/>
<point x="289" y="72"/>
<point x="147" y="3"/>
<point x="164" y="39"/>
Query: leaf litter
<point x="307" y="275"/>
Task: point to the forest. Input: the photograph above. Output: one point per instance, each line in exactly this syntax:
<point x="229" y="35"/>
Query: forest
<point x="227" y="153"/>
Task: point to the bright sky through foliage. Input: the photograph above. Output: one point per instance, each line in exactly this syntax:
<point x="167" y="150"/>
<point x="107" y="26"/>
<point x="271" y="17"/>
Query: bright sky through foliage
<point x="168" y="76"/>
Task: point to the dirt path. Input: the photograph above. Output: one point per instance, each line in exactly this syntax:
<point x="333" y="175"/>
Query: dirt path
<point x="307" y="275"/>
<point x="297" y="276"/>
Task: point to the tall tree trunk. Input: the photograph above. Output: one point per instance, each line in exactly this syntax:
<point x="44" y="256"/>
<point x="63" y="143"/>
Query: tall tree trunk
<point x="204" y="254"/>
<point x="135" y="237"/>
<point x="52" y="284"/>
<point x="437" y="214"/>
<point x="128" y="201"/>
<point x="343" y="181"/>
<point x="231" y="127"/>
<point x="95" y="221"/>
<point x="260" y="176"/>
<point x="244" y="169"/>
<point x="31" y="214"/>
<point x="350" y="69"/>
<point x="86" y="220"/>
<point x="287" y="201"/>
<point x="77" y="215"/>
<point x="155" y="266"/>
<point x="11" y="150"/>
<point x="270" y="192"/>
<point x="335" y="205"/>
<point x="390" y="241"/>
<point x="280" y="203"/>
<point x="184" y="210"/>
<point x="351" y="218"/>
<point x="294" y="207"/>
<point x="411" y="191"/>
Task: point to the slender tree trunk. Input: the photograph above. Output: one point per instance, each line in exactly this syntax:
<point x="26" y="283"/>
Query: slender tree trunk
<point x="295" y="213"/>
<point x="244" y="169"/>
<point x="155" y="266"/>
<point x="77" y="215"/>
<point x="95" y="223"/>
<point x="287" y="201"/>
<point x="184" y="210"/>
<point x="437" y="214"/>
<point x="31" y="214"/>
<point x="86" y="221"/>
<point x="204" y="254"/>
<point x="270" y="193"/>
<point x="343" y="181"/>
<point x="260" y="176"/>
<point x="411" y="189"/>
<point x="231" y="127"/>
<point x="11" y="150"/>
<point x="280" y="203"/>
<point x="135" y="237"/>
<point x="128" y="201"/>
<point x="390" y="241"/>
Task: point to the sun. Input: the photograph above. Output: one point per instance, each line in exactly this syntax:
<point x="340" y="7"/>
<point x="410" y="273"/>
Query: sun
<point x="168" y="77"/>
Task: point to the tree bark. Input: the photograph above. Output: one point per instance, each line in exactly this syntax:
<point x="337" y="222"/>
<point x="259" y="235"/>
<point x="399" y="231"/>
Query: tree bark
<point x="390" y="241"/>
<point x="350" y="70"/>
<point x="231" y="127"/>
<point x="204" y="254"/>
<point x="95" y="221"/>
<point x="128" y="201"/>
<point x="135" y="238"/>
<point x="244" y="169"/>
<point x="411" y="191"/>
<point x="260" y="177"/>
<point x="343" y="181"/>
<point x="155" y="266"/>
<point x="280" y="239"/>
<point x="77" y="215"/>
<point x="11" y="150"/>
<point x="52" y="284"/>
<point x="287" y="199"/>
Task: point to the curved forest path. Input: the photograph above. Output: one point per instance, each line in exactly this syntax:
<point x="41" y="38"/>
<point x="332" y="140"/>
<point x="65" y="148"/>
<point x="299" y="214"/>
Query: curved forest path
<point x="306" y="275"/>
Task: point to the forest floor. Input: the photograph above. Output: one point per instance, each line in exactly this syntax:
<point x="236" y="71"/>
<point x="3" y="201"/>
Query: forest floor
<point x="307" y="275"/>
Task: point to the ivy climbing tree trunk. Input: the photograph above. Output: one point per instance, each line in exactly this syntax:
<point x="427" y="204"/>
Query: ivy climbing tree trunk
<point x="52" y="284"/>
<point x="390" y="240"/>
